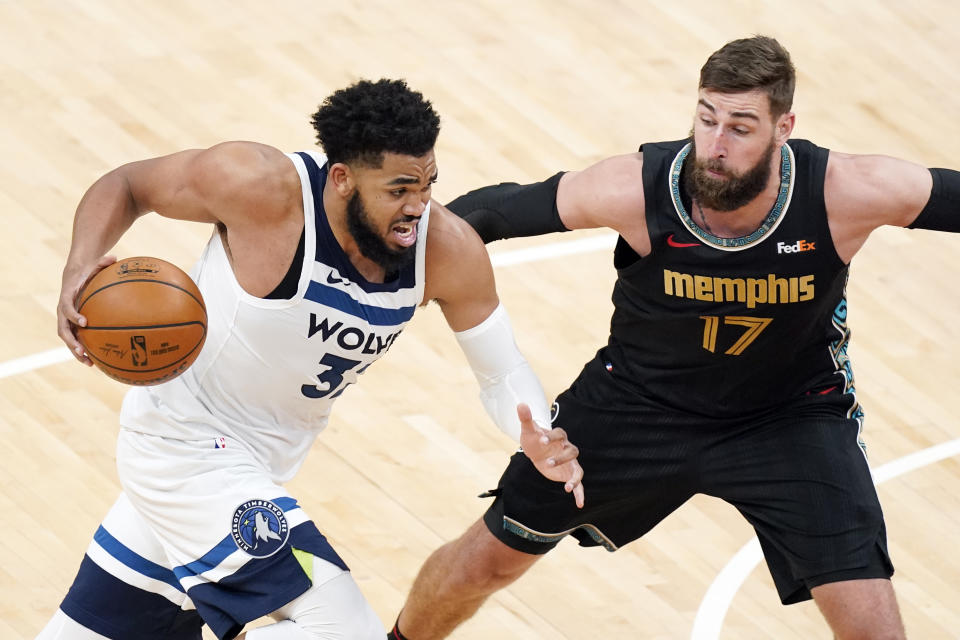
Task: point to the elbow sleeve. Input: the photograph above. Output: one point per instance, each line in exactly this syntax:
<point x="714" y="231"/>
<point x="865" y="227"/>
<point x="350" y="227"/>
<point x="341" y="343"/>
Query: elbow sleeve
<point x="942" y="211"/>
<point x="511" y="210"/>
<point x="504" y="375"/>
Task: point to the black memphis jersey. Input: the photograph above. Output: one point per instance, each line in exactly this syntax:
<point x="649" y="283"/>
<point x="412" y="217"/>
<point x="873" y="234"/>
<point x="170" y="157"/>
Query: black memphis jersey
<point x="729" y="326"/>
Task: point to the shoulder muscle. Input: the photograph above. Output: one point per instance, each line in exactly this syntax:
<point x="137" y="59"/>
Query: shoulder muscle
<point x="458" y="271"/>
<point x="232" y="182"/>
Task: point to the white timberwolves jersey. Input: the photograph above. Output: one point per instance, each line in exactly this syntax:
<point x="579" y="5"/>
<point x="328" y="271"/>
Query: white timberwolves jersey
<point x="270" y="369"/>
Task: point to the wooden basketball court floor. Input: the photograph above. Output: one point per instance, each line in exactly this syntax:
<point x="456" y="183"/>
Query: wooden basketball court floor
<point x="525" y="88"/>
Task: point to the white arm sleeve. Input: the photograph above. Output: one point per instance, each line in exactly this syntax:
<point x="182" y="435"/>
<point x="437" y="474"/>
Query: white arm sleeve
<point x="505" y="377"/>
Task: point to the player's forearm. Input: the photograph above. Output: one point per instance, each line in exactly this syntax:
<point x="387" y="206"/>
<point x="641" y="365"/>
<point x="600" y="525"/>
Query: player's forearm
<point x="104" y="214"/>
<point x="511" y="210"/>
<point x="942" y="211"/>
<point x="504" y="375"/>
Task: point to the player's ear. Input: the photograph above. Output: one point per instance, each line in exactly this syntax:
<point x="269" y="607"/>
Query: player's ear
<point x="784" y="127"/>
<point x="342" y="178"/>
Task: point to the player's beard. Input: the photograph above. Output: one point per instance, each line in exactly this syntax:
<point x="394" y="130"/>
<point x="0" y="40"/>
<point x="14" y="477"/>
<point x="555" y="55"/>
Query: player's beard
<point x="733" y="192"/>
<point x="370" y="242"/>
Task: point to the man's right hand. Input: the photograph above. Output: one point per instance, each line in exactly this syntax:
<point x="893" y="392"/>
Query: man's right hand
<point x="551" y="453"/>
<point x="68" y="318"/>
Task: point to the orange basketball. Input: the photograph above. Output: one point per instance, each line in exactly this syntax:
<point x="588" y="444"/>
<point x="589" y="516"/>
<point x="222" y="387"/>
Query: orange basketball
<point x="146" y="320"/>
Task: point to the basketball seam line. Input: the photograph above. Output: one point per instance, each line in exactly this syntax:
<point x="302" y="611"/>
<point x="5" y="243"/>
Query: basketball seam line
<point x="146" y="326"/>
<point x="169" y="284"/>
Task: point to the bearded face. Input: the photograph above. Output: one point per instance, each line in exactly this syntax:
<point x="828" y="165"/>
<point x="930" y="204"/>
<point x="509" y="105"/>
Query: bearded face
<point x="371" y="242"/>
<point x="730" y="191"/>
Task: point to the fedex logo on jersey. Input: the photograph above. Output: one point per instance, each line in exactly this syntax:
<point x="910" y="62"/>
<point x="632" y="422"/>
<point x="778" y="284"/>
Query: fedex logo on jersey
<point x="797" y="247"/>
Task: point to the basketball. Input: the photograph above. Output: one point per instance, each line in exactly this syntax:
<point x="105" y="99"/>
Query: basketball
<point x="146" y="321"/>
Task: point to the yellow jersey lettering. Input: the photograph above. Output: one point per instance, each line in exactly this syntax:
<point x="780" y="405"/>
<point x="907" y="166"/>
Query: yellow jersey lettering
<point x="756" y="292"/>
<point x="702" y="287"/>
<point x="806" y="288"/>
<point x="769" y="289"/>
<point x="681" y="283"/>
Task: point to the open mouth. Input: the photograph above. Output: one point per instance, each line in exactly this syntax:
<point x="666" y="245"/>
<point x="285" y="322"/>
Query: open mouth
<point x="405" y="233"/>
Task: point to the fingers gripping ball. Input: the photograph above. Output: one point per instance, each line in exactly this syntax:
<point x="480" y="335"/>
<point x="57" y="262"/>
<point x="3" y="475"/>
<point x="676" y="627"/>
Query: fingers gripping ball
<point x="146" y="321"/>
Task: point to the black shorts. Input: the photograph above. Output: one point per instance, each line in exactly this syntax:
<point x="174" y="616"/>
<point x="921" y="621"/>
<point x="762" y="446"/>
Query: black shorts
<point x="799" y="476"/>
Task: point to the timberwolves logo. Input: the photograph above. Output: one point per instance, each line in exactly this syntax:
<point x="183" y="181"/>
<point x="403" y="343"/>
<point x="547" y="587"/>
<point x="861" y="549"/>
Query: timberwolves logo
<point x="259" y="528"/>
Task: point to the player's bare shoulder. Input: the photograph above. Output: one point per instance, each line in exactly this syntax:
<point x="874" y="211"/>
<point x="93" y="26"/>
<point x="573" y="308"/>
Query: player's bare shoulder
<point x="252" y="180"/>
<point x="455" y="254"/>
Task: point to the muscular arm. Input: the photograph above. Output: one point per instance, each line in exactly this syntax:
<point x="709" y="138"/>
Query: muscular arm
<point x="606" y="194"/>
<point x="240" y="184"/>
<point x="460" y="278"/>
<point x="863" y="193"/>
<point x="511" y="210"/>
<point x="235" y="183"/>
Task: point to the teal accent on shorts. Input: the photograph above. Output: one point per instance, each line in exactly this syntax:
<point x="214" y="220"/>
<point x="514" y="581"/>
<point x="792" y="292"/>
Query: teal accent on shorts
<point x="518" y="529"/>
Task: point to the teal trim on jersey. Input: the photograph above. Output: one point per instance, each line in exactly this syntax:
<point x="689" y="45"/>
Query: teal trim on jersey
<point x="769" y="223"/>
<point x="521" y="531"/>
<point x="838" y="352"/>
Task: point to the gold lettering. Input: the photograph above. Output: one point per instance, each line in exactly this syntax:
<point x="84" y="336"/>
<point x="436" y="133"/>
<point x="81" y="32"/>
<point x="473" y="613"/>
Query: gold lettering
<point x="702" y="288"/>
<point x="681" y="283"/>
<point x="756" y="292"/>
<point x="751" y="291"/>
<point x="806" y="288"/>
<point x="729" y="289"/>
<point x="778" y="290"/>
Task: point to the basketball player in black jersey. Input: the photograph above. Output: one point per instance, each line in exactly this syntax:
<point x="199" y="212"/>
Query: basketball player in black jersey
<point x="726" y="370"/>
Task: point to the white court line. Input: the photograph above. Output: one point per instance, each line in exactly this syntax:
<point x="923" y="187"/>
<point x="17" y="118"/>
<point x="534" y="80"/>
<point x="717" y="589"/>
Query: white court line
<point x="553" y="250"/>
<point x="716" y="602"/>
<point x="503" y="259"/>
<point x="36" y="361"/>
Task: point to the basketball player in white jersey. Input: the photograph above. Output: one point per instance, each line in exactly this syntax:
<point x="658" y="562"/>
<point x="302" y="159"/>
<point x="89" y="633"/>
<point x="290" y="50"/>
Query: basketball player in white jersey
<point x="315" y="265"/>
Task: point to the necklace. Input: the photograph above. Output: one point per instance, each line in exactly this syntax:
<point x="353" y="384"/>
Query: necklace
<point x="703" y="218"/>
<point x="689" y="215"/>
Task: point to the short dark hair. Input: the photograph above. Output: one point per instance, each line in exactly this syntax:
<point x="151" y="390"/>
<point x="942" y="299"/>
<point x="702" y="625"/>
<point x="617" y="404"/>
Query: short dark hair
<point x="759" y="62"/>
<point x="367" y="119"/>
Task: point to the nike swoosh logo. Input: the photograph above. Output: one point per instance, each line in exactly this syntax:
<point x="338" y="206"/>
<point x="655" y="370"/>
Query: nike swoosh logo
<point x="674" y="243"/>
<point x="332" y="279"/>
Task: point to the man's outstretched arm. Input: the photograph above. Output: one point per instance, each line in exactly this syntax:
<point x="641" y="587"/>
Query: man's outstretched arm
<point x="460" y="278"/>
<point x="511" y="210"/>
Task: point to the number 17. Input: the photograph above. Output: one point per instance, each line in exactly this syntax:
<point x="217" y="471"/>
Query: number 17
<point x="754" y="327"/>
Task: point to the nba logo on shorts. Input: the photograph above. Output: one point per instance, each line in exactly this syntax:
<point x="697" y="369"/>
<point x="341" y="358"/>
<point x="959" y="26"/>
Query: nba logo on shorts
<point x="259" y="528"/>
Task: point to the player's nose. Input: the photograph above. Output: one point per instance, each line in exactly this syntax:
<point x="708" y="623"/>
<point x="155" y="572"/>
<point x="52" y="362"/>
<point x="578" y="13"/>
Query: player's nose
<point x="415" y="206"/>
